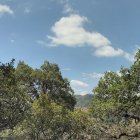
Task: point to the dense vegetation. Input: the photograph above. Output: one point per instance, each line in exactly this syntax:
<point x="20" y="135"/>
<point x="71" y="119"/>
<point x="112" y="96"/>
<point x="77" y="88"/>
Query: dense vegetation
<point x="38" y="104"/>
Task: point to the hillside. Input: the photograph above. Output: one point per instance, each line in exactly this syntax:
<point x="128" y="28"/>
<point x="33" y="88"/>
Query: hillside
<point x="83" y="100"/>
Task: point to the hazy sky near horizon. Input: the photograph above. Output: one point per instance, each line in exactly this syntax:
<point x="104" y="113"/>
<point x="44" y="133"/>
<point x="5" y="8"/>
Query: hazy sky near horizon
<point x="84" y="37"/>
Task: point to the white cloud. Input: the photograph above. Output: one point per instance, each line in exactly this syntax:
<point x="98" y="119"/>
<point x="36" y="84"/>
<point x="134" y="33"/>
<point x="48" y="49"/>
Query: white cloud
<point x="69" y="31"/>
<point x="5" y="9"/>
<point x="77" y="84"/>
<point x="83" y="93"/>
<point x="79" y="87"/>
<point x="93" y="75"/>
<point x="108" y="51"/>
<point x="118" y="72"/>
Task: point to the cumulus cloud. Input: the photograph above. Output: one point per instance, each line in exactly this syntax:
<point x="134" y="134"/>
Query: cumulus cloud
<point x="69" y="31"/>
<point x="108" y="51"/>
<point x="77" y="84"/>
<point x="79" y="87"/>
<point x="5" y="9"/>
<point x="93" y="75"/>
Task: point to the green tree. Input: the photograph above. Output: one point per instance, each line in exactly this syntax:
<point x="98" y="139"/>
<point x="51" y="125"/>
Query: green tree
<point x="24" y="76"/>
<point x="51" y="121"/>
<point x="14" y="102"/>
<point x="36" y="98"/>
<point x="48" y="80"/>
<point x="116" y="101"/>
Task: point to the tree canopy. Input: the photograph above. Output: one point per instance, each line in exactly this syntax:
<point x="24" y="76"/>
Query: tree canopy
<point x="46" y="80"/>
<point x="38" y="104"/>
<point x="14" y="101"/>
<point x="117" y="99"/>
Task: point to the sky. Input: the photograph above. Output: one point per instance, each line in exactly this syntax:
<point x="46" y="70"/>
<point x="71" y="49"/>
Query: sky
<point x="84" y="37"/>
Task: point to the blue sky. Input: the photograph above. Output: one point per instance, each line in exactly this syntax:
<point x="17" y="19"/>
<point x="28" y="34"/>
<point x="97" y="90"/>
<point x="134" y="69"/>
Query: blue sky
<point x="84" y="37"/>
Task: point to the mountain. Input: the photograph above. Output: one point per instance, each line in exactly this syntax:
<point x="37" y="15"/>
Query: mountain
<point x="83" y="100"/>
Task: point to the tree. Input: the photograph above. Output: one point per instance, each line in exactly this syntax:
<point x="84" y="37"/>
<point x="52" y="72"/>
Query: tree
<point x="24" y="76"/>
<point x="45" y="121"/>
<point x="37" y="100"/>
<point x="116" y="101"/>
<point x="48" y="80"/>
<point x="14" y="102"/>
<point x="51" y="121"/>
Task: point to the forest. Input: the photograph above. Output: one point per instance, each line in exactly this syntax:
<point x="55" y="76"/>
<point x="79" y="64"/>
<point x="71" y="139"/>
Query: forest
<point x="39" y="104"/>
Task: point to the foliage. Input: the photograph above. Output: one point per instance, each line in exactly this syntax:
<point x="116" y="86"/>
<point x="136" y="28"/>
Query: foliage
<point x="14" y="102"/>
<point x="38" y="104"/>
<point x="51" y="121"/>
<point x="46" y="80"/>
<point x="117" y="100"/>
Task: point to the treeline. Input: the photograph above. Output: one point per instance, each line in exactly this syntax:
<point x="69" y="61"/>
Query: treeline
<point x="38" y="104"/>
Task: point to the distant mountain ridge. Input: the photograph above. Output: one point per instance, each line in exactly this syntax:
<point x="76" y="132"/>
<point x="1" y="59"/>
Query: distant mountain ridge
<point x="83" y="100"/>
